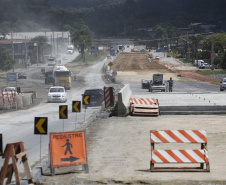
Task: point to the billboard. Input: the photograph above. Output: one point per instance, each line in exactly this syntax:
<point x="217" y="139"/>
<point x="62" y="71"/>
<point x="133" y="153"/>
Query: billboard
<point x="11" y="77"/>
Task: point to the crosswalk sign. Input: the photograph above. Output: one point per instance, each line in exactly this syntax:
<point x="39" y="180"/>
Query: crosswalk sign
<point x="76" y="106"/>
<point x="63" y="112"/>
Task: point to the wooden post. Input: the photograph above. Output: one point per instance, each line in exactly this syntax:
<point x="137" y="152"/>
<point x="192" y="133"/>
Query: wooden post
<point x="6" y="162"/>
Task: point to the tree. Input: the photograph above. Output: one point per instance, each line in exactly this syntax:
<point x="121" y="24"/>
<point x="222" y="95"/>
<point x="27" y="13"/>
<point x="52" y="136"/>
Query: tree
<point x="166" y="30"/>
<point x="81" y="37"/>
<point x="219" y="40"/>
<point x="6" y="60"/>
<point x="195" y="39"/>
<point x="221" y="60"/>
<point x="42" y="45"/>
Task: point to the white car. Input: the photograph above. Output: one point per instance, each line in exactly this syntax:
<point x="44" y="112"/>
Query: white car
<point x="57" y="94"/>
<point x="9" y="90"/>
<point x="223" y="84"/>
<point x="51" y="61"/>
<point x="157" y="57"/>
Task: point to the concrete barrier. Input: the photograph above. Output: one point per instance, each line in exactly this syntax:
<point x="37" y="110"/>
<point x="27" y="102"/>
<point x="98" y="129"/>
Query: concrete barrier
<point x="124" y="100"/>
<point x="27" y="99"/>
<point x="19" y="101"/>
<point x="186" y="110"/>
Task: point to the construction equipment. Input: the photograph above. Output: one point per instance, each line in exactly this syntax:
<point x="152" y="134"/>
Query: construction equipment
<point x="144" y="106"/>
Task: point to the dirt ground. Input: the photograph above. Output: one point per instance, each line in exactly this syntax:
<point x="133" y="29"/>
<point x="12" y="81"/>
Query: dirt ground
<point x="135" y="61"/>
<point x="119" y="148"/>
<point x="137" y="66"/>
<point x="119" y="152"/>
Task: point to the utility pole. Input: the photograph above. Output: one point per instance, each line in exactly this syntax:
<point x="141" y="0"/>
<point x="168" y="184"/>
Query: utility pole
<point x="36" y="45"/>
<point x="54" y="52"/>
<point x="212" y="52"/>
<point x="84" y="51"/>
<point x="188" y="50"/>
<point x="12" y="49"/>
<point x="51" y="45"/>
<point x="26" y="64"/>
<point x="57" y="44"/>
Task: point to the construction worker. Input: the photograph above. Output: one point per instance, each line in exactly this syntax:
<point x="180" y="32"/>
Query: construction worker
<point x="170" y="84"/>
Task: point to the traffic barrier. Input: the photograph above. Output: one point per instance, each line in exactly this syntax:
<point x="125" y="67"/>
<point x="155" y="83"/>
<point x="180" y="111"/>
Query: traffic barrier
<point x="13" y="152"/>
<point x="109" y="96"/>
<point x="144" y="106"/>
<point x="188" y="156"/>
<point x="14" y="95"/>
<point x="124" y="100"/>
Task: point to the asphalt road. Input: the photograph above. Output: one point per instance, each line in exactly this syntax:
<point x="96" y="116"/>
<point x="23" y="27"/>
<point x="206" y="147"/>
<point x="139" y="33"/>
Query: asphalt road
<point x="19" y="125"/>
<point x="180" y="87"/>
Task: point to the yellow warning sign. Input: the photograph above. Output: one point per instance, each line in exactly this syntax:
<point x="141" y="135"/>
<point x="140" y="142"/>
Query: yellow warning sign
<point x="76" y="106"/>
<point x="68" y="148"/>
<point x="110" y="64"/>
<point x="63" y="112"/>
<point x="41" y="125"/>
<point x="86" y="100"/>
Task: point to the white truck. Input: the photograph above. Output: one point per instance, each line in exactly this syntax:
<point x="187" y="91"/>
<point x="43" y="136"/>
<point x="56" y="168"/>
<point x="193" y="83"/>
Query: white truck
<point x="70" y="49"/>
<point x="51" y="61"/>
<point x="199" y="63"/>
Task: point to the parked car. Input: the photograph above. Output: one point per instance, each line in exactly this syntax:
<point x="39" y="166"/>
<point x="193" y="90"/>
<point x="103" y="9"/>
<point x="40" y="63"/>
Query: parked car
<point x="205" y="66"/>
<point x="96" y="97"/>
<point x="22" y="75"/>
<point x="179" y="56"/>
<point x="109" y="57"/>
<point x="168" y="55"/>
<point x="157" y="57"/>
<point x="223" y="84"/>
<point x="202" y="66"/>
<point x="9" y="90"/>
<point x="57" y="94"/>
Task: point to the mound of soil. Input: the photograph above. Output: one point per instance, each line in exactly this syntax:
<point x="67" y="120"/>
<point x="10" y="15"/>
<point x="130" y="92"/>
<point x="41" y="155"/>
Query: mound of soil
<point x="134" y="61"/>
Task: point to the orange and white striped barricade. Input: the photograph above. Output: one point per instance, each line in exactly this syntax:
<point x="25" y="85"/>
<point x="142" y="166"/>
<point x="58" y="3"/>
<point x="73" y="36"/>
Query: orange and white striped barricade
<point x="109" y="96"/>
<point x="144" y="106"/>
<point x="9" y="94"/>
<point x="14" y="95"/>
<point x="4" y="97"/>
<point x="184" y="156"/>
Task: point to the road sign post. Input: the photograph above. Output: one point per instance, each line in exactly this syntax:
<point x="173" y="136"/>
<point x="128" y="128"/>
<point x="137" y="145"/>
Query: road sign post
<point x="63" y="113"/>
<point x="86" y="101"/>
<point x="41" y="128"/>
<point x="1" y="145"/>
<point x="76" y="107"/>
<point x="68" y="149"/>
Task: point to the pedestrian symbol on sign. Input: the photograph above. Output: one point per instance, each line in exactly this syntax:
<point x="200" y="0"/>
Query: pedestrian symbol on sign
<point x="68" y="148"/>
